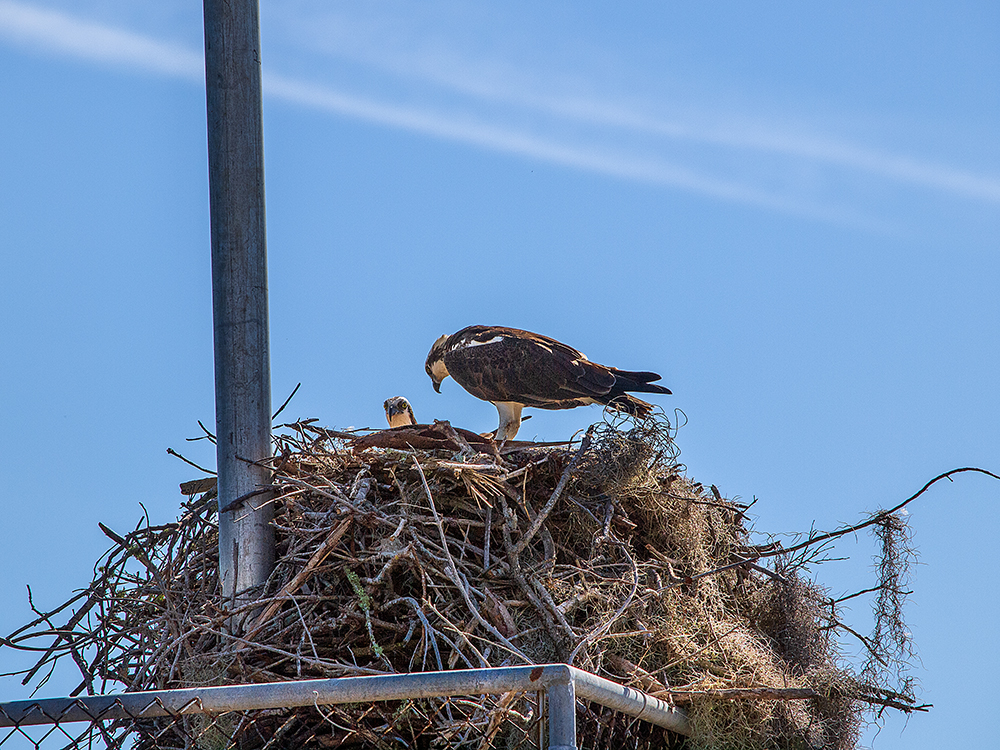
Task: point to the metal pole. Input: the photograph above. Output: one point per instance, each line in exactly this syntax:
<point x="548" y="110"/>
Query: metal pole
<point x="239" y="290"/>
<point x="561" y="700"/>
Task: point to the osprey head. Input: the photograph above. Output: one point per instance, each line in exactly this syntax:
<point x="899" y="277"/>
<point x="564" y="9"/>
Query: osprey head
<point x="435" y="363"/>
<point x="398" y="411"/>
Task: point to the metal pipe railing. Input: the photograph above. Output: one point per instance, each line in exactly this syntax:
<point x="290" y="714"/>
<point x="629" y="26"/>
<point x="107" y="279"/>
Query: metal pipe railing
<point x="561" y="683"/>
<point x="629" y="701"/>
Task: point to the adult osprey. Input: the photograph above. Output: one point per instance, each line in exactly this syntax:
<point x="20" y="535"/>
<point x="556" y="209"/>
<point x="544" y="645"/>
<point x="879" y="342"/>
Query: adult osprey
<point x="513" y="369"/>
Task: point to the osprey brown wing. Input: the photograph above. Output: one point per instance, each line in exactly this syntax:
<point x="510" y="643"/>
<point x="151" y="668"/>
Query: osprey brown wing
<point x="529" y="371"/>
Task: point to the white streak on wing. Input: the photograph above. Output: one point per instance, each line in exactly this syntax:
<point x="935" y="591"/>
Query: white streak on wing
<point x="469" y="344"/>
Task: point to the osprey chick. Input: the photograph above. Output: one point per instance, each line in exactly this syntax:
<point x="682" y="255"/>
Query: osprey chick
<point x="512" y="369"/>
<point x="398" y="411"/>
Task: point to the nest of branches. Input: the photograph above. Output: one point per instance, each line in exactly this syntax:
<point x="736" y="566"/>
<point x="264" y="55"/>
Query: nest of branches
<point x="601" y="554"/>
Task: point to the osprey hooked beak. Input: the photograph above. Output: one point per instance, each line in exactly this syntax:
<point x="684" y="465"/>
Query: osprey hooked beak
<point x="398" y="412"/>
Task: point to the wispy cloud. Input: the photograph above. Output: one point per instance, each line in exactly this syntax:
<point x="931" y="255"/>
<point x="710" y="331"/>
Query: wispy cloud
<point x="342" y="35"/>
<point x="469" y="130"/>
<point x="60" y="33"/>
<point x="900" y="168"/>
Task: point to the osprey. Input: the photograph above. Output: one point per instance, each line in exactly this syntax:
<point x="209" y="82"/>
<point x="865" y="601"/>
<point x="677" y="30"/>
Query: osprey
<point x="404" y="432"/>
<point x="398" y="411"/>
<point x="512" y="369"/>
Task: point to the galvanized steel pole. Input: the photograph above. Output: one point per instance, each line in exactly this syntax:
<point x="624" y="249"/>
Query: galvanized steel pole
<point x="239" y="290"/>
<point x="561" y="699"/>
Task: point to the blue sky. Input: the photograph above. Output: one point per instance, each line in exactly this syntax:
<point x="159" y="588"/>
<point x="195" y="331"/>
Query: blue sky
<point x="790" y="212"/>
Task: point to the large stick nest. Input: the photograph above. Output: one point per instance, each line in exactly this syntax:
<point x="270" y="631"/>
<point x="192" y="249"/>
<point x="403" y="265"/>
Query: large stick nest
<point x="601" y="554"/>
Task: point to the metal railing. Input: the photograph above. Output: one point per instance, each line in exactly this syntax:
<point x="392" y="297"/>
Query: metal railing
<point x="561" y="684"/>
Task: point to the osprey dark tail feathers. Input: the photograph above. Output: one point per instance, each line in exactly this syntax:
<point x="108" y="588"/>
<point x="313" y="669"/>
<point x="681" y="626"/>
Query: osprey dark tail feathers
<point x="641" y="382"/>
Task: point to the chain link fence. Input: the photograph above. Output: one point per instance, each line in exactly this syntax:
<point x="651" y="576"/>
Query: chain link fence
<point x="317" y="727"/>
<point x="539" y="707"/>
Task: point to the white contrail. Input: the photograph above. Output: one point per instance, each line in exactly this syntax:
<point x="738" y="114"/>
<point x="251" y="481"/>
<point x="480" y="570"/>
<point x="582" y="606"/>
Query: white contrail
<point x="467" y="130"/>
<point x="64" y="34"/>
<point x="465" y="77"/>
<point x="902" y="169"/>
<point x="57" y="32"/>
